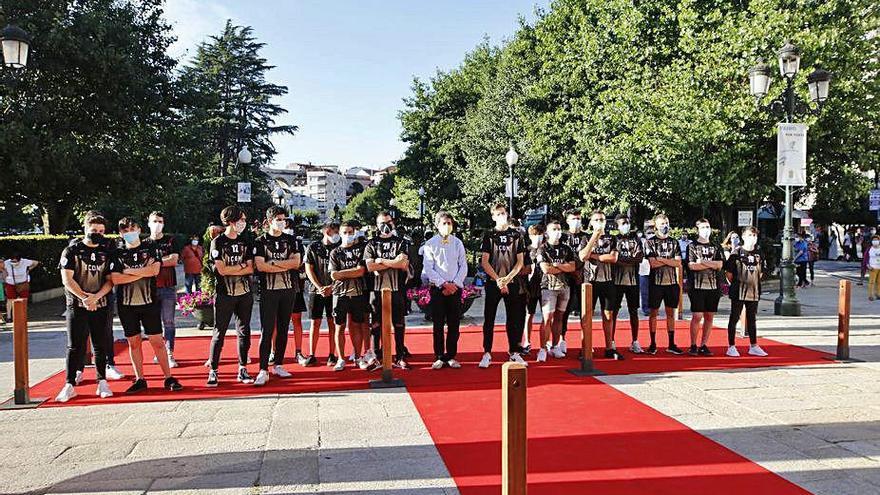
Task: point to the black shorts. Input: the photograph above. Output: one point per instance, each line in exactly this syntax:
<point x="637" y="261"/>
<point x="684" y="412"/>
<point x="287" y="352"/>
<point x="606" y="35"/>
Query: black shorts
<point x="398" y="308"/>
<point x="605" y="294"/>
<point x="299" y="302"/>
<point x="320" y="306"/>
<point x="704" y="300"/>
<point x="356" y="306"/>
<point x="666" y="295"/>
<point x="132" y="317"/>
<point x="632" y="294"/>
<point x="532" y="303"/>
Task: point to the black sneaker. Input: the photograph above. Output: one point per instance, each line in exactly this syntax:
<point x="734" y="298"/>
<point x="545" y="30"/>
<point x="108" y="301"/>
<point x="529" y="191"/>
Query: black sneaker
<point x="674" y="349"/>
<point x="400" y="363"/>
<point x="172" y="384"/>
<point x="311" y="361"/>
<point x="526" y="350"/>
<point x="406" y="353"/>
<point x="618" y="356"/>
<point x="243" y="375"/>
<point x="652" y="349"/>
<point x="376" y="366"/>
<point x="300" y="359"/>
<point x="609" y="353"/>
<point x="138" y="385"/>
<point x="331" y="361"/>
<point x="704" y="351"/>
<point x="693" y="351"/>
<point x="212" y="379"/>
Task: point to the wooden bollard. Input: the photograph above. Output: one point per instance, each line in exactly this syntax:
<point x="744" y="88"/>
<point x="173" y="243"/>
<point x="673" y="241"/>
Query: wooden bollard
<point x="843" y="313"/>
<point x="680" y="311"/>
<point x="388" y="380"/>
<point x="514" y="448"/>
<point x="586" y="368"/>
<point x="21" y="395"/>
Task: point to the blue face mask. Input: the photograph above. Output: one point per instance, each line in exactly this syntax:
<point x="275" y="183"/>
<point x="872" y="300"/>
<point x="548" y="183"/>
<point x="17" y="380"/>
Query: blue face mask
<point x="131" y="237"/>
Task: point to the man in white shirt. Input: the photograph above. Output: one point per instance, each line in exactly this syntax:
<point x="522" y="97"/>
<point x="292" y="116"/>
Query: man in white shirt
<point x="17" y="282"/>
<point x="445" y="268"/>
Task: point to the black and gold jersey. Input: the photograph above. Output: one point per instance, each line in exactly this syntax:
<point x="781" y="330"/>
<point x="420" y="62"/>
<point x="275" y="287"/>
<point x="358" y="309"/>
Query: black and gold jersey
<point x="558" y="253"/>
<point x="746" y="269"/>
<point x="318" y="255"/>
<point x="599" y="271"/>
<point x="280" y="248"/>
<point x="503" y="246"/>
<point x="346" y="258"/>
<point x="143" y="290"/>
<point x="386" y="248"/>
<point x="629" y="256"/>
<point x="91" y="267"/>
<point x="699" y="252"/>
<point x="232" y="252"/>
<point x="666" y="248"/>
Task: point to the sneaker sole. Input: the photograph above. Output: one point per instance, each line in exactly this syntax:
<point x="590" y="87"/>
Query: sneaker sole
<point x="211" y="385"/>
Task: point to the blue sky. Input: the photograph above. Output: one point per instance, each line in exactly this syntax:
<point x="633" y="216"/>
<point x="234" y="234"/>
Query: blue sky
<point x="348" y="64"/>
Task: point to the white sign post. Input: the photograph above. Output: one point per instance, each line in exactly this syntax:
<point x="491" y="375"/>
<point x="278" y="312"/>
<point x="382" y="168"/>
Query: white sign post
<point x="507" y="187"/>
<point x="874" y="200"/>
<point x="244" y="192"/>
<point x="744" y="218"/>
<point x="791" y="155"/>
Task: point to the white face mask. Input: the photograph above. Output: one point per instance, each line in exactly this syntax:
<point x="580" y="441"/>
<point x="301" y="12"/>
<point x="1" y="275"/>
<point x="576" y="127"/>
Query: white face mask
<point x="444" y="229"/>
<point x="536" y="240"/>
<point x="194" y="242"/>
<point x="333" y="238"/>
<point x="875" y="243"/>
<point x="598" y="224"/>
<point x="749" y="242"/>
<point x="289" y="231"/>
<point x="623" y="228"/>
<point x="240" y="226"/>
<point x="500" y="221"/>
<point x="279" y="224"/>
<point x="574" y="223"/>
<point x="553" y="236"/>
<point x="347" y="239"/>
<point x="156" y="227"/>
<point x="705" y="232"/>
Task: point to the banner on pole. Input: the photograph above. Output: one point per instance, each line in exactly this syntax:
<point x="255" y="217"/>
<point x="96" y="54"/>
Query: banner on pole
<point x="244" y="192"/>
<point x="874" y="200"/>
<point x="744" y="218"/>
<point x="791" y="155"/>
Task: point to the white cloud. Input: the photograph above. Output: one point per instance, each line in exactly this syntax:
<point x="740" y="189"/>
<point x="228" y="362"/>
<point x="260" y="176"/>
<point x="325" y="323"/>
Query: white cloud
<point x="193" y="21"/>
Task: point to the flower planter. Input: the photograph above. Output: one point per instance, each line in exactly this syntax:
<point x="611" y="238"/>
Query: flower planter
<point x="205" y="315"/>
<point x="465" y="306"/>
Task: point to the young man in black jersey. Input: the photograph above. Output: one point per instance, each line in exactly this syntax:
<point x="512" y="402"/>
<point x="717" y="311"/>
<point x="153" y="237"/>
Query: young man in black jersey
<point x="166" y="281"/>
<point x="573" y="238"/>
<point x="705" y="260"/>
<point x="626" y="277"/>
<point x="664" y="255"/>
<point x="233" y="265"/>
<point x="501" y="251"/>
<point x="349" y="291"/>
<point x="386" y="256"/>
<point x="85" y="272"/>
<point x="556" y="261"/>
<point x="277" y="260"/>
<point x="599" y="266"/>
<point x="532" y="282"/>
<point x="743" y="270"/>
<point x="321" y="303"/>
<point x="135" y="268"/>
<point x="299" y="300"/>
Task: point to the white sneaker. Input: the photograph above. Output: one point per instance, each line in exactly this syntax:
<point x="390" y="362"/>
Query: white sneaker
<point x="563" y="347"/>
<point x="112" y="373"/>
<point x="362" y="363"/>
<point x="369" y="356"/>
<point x="756" y="350"/>
<point x="352" y="358"/>
<point x="486" y="361"/>
<point x="437" y="364"/>
<point x="452" y="363"/>
<point x="103" y="390"/>
<point x="171" y="362"/>
<point x="340" y="365"/>
<point x="732" y="352"/>
<point x="79" y="377"/>
<point x="280" y="372"/>
<point x="557" y="352"/>
<point x="636" y="348"/>
<point x="67" y="393"/>
<point x="262" y="378"/>
<point x="516" y="358"/>
<point x="542" y="355"/>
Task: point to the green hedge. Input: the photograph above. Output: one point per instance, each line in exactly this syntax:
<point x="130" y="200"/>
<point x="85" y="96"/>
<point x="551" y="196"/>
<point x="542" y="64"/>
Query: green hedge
<point x="43" y="248"/>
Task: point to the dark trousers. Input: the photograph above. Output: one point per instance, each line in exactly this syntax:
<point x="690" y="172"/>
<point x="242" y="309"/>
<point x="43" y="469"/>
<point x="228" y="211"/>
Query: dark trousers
<point x="275" y="309"/>
<point x="224" y="307"/>
<point x="736" y="307"/>
<point x="82" y="323"/>
<point x="515" y="310"/>
<point x="801" y="270"/>
<point x="445" y="310"/>
<point x="398" y="321"/>
<point x="812" y="266"/>
<point x="574" y="306"/>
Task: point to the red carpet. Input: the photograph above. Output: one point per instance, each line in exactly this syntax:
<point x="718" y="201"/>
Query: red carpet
<point x="191" y="353"/>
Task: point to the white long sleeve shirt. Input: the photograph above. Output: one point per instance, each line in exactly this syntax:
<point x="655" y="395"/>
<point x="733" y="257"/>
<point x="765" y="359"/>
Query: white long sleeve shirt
<point x="444" y="261"/>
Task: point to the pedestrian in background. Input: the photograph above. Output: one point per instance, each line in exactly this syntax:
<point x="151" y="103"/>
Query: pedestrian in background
<point x="192" y="255"/>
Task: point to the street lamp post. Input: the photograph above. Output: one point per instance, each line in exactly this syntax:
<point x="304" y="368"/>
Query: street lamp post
<point x="789" y="106"/>
<point x="511" y="158"/>
<point x="421" y="206"/>
<point x="16" y="46"/>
